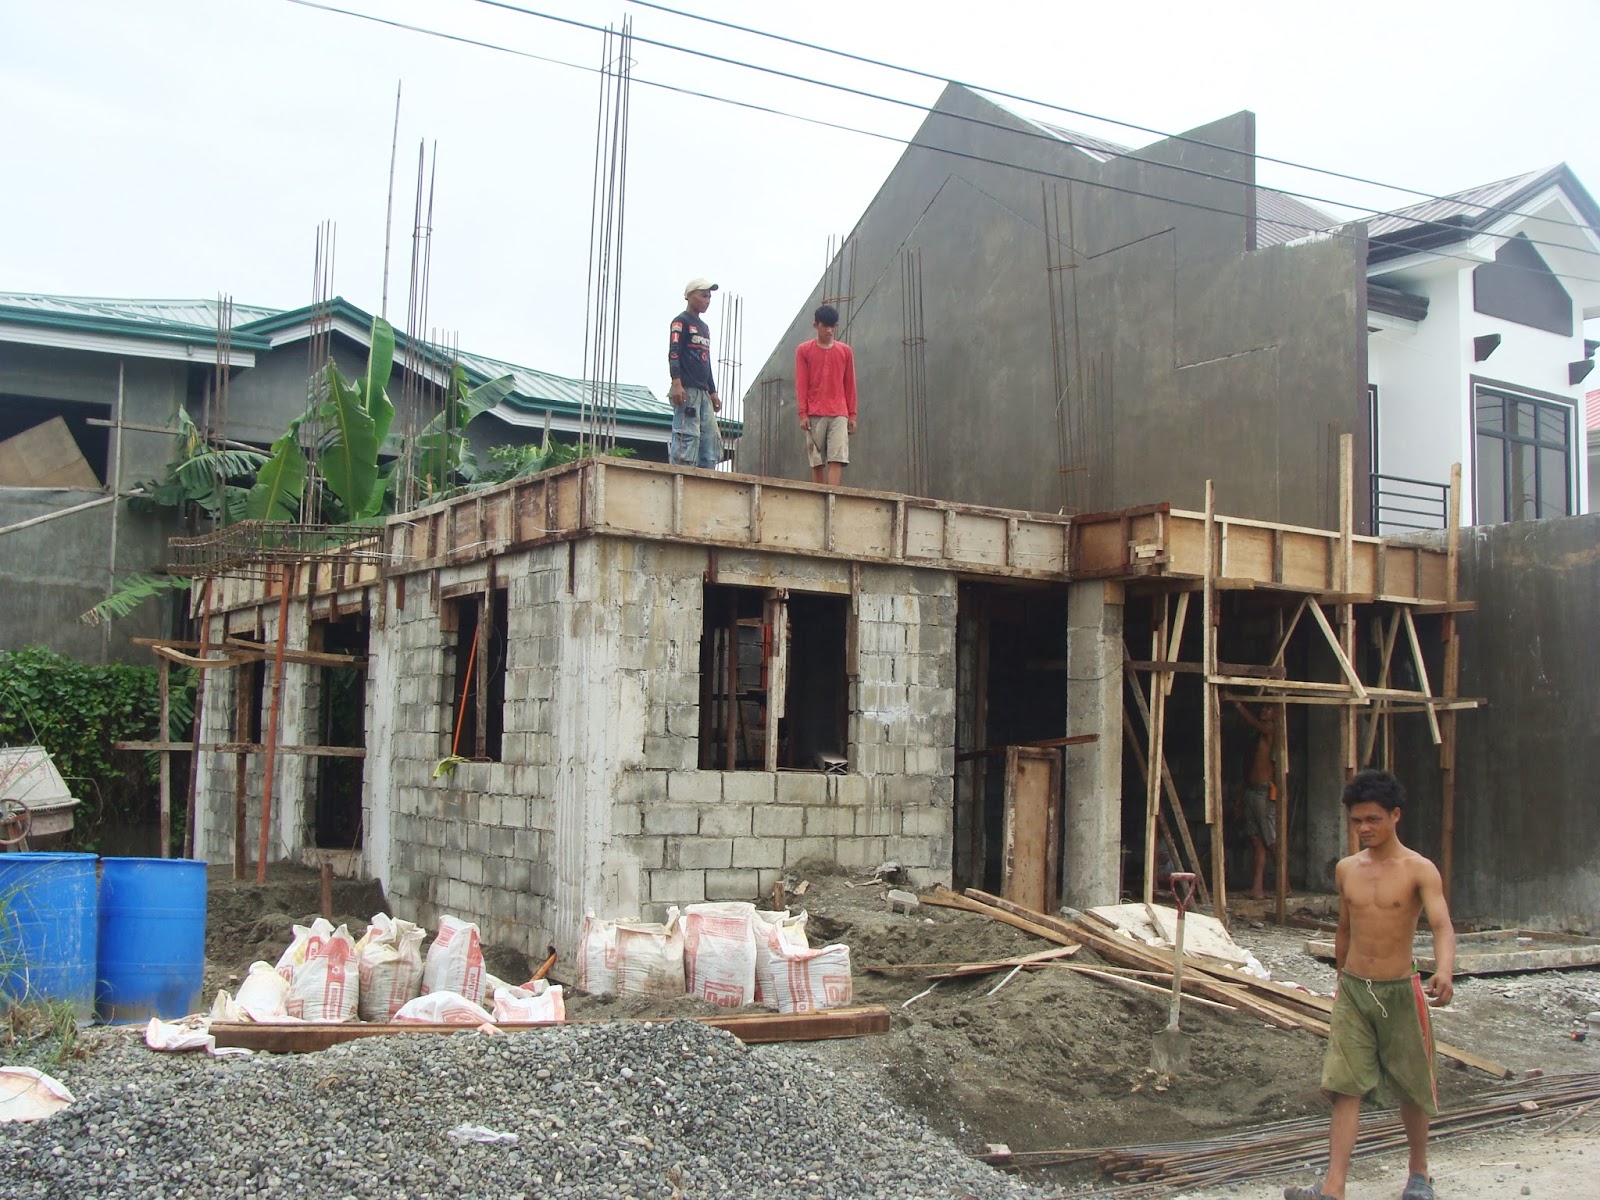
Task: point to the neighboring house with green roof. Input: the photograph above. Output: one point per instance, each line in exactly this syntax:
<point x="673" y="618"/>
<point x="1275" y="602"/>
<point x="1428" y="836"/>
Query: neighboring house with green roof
<point x="89" y="388"/>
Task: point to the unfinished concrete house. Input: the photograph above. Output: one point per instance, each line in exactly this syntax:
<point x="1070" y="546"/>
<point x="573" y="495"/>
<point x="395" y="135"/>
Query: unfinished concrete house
<point x="618" y="686"/>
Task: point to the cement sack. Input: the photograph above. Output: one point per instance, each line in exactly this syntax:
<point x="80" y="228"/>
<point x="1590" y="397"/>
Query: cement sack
<point x="443" y="1008"/>
<point x="631" y="958"/>
<point x="719" y="952"/>
<point x="389" y="958"/>
<point x="326" y="987"/>
<point x="305" y="938"/>
<point x="800" y="979"/>
<point x="455" y="961"/>
<point x="544" y="1006"/>
<point x="264" y="995"/>
<point x="784" y="927"/>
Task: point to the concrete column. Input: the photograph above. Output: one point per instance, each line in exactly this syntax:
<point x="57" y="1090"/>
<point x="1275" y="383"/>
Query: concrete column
<point x="1091" y="855"/>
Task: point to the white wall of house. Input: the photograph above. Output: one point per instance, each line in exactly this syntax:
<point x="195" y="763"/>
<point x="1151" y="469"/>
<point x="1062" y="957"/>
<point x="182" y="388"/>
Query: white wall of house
<point x="1424" y="372"/>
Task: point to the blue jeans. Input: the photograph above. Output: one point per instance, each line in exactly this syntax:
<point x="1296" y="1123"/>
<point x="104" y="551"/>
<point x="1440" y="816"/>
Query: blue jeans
<point x="696" y="437"/>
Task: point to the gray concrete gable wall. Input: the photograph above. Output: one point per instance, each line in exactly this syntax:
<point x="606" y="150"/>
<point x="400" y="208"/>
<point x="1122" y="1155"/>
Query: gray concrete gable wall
<point x="1163" y="325"/>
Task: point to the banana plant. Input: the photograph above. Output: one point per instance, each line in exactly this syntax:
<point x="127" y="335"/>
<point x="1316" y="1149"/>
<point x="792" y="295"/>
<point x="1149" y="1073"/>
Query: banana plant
<point x="441" y="457"/>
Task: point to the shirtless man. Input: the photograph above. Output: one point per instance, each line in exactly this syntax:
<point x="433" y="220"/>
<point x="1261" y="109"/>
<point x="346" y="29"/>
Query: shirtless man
<point x="1260" y="811"/>
<point x="1381" y="1031"/>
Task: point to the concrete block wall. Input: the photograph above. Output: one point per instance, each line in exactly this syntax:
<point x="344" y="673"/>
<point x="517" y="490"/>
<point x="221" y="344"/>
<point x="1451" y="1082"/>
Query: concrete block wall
<point x="681" y="835"/>
<point x="476" y="842"/>
<point x="598" y="802"/>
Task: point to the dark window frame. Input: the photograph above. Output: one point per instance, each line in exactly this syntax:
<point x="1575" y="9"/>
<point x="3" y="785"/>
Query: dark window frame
<point x="1507" y="438"/>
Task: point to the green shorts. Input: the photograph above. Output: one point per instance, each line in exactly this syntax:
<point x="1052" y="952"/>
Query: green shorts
<point x="1381" y="1034"/>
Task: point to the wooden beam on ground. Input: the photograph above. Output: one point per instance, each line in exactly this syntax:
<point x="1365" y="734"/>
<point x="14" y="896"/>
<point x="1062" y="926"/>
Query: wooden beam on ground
<point x="755" y="1028"/>
<point x="973" y="968"/>
<point x="944" y="898"/>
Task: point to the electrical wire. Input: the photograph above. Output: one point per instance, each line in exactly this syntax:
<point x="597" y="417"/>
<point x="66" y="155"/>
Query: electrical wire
<point x="1052" y="138"/>
<point x="1075" y="112"/>
<point x="1437" y="253"/>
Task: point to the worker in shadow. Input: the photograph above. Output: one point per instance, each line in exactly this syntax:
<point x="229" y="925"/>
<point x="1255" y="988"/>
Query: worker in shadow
<point x="1258" y="797"/>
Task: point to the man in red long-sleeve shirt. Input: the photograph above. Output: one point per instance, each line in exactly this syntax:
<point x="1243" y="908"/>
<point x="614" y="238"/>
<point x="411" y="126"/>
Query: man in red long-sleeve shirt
<point x="825" y="391"/>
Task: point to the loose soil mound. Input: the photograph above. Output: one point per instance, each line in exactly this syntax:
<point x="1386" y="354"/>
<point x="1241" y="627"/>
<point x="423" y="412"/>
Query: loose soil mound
<point x="1054" y="1059"/>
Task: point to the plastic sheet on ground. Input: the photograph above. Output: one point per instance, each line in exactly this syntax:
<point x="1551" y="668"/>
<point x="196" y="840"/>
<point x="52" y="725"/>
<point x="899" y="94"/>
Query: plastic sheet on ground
<point x="191" y="1033"/>
<point x="30" y="1095"/>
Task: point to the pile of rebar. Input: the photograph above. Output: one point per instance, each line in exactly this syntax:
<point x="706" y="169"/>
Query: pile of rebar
<point x="1159" y="1169"/>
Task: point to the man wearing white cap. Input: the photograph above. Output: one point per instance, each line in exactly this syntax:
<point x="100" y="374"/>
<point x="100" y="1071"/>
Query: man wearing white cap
<point x="696" y="439"/>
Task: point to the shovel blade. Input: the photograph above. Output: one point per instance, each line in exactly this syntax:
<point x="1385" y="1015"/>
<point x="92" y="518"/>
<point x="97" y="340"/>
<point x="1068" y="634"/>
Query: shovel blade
<point x="1169" y="1052"/>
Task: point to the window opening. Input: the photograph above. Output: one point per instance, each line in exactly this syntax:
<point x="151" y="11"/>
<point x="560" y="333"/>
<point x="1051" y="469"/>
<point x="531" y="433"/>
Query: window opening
<point x="773" y="688"/>
<point x="478" y="699"/>
<point x="57" y="443"/>
<point x="341" y="721"/>
<point x="1524" y="457"/>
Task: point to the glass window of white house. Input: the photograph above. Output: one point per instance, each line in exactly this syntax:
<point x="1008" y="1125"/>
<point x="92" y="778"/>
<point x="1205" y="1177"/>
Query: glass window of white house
<point x="1524" y="457"/>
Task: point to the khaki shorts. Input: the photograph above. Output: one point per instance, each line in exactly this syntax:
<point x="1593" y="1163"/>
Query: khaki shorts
<point x="828" y="440"/>
<point x="1380" y="1033"/>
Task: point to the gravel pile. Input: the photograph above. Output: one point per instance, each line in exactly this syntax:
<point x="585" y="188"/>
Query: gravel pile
<point x="671" y="1110"/>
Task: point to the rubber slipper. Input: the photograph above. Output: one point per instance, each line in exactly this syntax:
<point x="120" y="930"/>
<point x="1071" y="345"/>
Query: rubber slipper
<point x="1418" y="1187"/>
<point x="1314" y="1192"/>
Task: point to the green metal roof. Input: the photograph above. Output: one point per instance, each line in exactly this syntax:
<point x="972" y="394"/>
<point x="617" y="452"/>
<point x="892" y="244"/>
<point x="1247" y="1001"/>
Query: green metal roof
<point x="158" y="320"/>
<point x="534" y="392"/>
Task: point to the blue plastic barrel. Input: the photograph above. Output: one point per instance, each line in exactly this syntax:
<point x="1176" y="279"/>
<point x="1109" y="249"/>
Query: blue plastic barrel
<point x="152" y="938"/>
<point x="48" y="926"/>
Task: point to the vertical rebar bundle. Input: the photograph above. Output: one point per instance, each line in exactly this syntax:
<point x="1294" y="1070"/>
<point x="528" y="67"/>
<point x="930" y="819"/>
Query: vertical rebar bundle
<point x="839" y="279"/>
<point x="422" y="393"/>
<point x="319" y="353"/>
<point x="771" y="400"/>
<point x="730" y="369"/>
<point x="913" y="352"/>
<point x="602" y="318"/>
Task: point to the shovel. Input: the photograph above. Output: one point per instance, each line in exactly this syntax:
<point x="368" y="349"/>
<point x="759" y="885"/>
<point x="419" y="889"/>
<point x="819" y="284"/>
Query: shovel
<point x="1169" y="1049"/>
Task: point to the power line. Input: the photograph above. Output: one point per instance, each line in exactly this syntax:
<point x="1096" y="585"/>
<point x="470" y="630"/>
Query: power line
<point x="1075" y="112"/>
<point x="923" y="108"/>
<point x="767" y="109"/>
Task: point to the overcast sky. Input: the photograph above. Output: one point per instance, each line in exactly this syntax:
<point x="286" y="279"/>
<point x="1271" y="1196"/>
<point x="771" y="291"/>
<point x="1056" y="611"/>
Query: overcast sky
<point x="181" y="148"/>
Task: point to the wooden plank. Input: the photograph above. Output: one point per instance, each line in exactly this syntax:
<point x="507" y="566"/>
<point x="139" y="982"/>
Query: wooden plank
<point x="1077" y="739"/>
<point x="1511" y="958"/>
<point x="1030" y="825"/>
<point x="1422" y="672"/>
<point x="1211" y="716"/>
<point x="246" y="748"/>
<point x="1174" y="803"/>
<point x="750" y="1028"/>
<point x="1127" y="952"/>
<point x="1157" y="754"/>
<point x="1340" y="652"/>
<point x="943" y="898"/>
<point x="999" y="964"/>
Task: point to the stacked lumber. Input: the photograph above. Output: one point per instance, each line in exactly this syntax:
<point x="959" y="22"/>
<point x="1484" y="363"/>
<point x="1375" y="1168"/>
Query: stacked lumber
<point x="1160" y="1169"/>
<point x="1275" y="1004"/>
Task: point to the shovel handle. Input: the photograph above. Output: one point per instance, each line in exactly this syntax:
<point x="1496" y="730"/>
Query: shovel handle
<point x="1183" y="884"/>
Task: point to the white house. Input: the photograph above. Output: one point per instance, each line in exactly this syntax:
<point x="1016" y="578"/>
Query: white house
<point x="1477" y="354"/>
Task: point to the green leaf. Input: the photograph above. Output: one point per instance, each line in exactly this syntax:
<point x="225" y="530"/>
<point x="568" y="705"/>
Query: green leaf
<point x="482" y="398"/>
<point x="348" y="457"/>
<point x="281" y="481"/>
<point x="130" y="593"/>
<point x="374" y="384"/>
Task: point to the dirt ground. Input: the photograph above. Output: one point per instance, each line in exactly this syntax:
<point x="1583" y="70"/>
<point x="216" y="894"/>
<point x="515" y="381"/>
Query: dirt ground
<point x="1053" y="1059"/>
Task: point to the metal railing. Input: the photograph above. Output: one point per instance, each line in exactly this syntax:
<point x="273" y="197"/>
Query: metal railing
<point x="1402" y="505"/>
